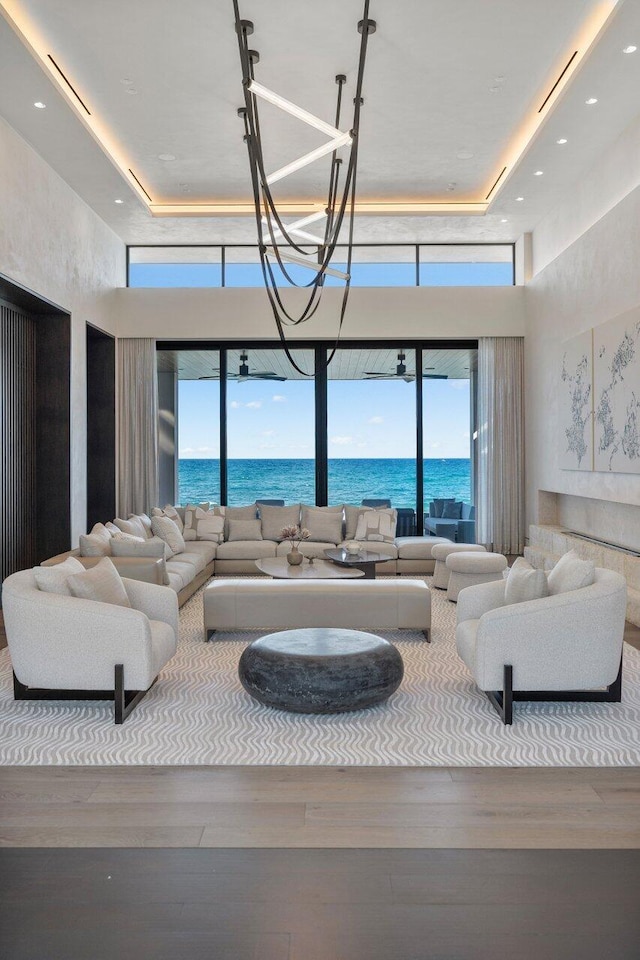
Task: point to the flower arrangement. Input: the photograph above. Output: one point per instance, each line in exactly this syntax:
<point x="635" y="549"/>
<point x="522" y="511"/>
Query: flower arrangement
<point x="295" y="535"/>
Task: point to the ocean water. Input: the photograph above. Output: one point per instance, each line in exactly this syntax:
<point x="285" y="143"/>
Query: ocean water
<point x="350" y="481"/>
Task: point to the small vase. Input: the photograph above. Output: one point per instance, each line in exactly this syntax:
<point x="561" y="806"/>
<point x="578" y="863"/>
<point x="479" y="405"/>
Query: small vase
<point x="294" y="557"/>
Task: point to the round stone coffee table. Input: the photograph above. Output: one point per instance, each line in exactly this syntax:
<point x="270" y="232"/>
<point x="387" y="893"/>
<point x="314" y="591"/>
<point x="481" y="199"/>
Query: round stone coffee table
<point x="320" y="670"/>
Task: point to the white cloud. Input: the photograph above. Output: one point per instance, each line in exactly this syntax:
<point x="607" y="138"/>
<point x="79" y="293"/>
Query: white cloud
<point x="342" y="441"/>
<point x="278" y="398"/>
<point x="375" y="420"/>
<point x="187" y="450"/>
<point x="254" y="404"/>
<point x="235" y="404"/>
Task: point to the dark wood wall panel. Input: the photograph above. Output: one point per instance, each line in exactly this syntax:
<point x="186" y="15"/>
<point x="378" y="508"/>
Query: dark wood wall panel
<point x="18" y="547"/>
<point x="101" y="427"/>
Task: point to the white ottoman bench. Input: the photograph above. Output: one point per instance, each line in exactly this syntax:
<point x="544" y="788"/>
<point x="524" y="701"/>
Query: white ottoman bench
<point x="415" y="554"/>
<point x="243" y="604"/>
<point x="467" y="569"/>
<point x="441" y="552"/>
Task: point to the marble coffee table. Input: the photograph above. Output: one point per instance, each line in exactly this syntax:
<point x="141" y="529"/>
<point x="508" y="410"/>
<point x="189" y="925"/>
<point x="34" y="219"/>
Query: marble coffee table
<point x="365" y="560"/>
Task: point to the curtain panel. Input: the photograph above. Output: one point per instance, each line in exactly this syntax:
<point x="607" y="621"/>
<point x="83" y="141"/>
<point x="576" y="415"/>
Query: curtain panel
<point x="500" y="457"/>
<point x="137" y="426"/>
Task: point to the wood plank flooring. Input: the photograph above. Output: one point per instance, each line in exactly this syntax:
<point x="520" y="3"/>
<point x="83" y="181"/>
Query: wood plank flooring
<point x="319" y="904"/>
<point x="317" y="807"/>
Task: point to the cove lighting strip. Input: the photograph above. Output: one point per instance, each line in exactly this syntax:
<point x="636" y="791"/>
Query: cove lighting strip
<point x="40" y="48"/>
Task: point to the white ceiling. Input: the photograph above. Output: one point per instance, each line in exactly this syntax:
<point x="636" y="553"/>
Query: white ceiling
<point x="432" y="90"/>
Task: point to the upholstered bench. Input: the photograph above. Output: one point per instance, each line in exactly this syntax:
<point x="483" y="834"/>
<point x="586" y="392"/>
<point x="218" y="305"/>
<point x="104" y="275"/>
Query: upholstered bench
<point x="466" y="569"/>
<point x="243" y="604"/>
<point x="440" y="553"/>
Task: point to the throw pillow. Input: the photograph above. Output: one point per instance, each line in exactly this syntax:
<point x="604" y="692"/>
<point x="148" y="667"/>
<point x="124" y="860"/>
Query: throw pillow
<point x="524" y="582"/>
<point x="111" y="527"/>
<point x="452" y="511"/>
<point x="167" y="530"/>
<point x="99" y="530"/>
<point x="102" y="583"/>
<point x="237" y="513"/>
<point x="121" y="537"/>
<point x="144" y="520"/>
<point x="439" y="504"/>
<point x="135" y="547"/>
<point x="132" y="526"/>
<point x="92" y="545"/>
<point x="273" y="519"/>
<point x="323" y="523"/>
<point x="54" y="579"/>
<point x="168" y="511"/>
<point x="571" y="573"/>
<point x="378" y="526"/>
<point x="244" y="530"/>
<point x="203" y="525"/>
<point x="351" y="517"/>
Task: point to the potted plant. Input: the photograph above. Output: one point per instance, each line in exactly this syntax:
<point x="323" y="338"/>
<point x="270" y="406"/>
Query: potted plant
<point x="295" y="535"/>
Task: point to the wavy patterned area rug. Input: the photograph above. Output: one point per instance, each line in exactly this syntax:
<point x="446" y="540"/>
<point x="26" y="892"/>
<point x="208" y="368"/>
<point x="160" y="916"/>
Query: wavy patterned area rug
<point x="199" y="714"/>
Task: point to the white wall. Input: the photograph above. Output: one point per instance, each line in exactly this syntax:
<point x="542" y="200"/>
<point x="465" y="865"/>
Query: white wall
<point x="52" y="243"/>
<point x="596" y="278"/>
<point x="385" y="313"/>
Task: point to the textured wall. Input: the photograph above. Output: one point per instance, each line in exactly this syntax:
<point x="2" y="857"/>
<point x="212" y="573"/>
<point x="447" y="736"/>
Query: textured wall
<point x="54" y="244"/>
<point x="596" y="278"/>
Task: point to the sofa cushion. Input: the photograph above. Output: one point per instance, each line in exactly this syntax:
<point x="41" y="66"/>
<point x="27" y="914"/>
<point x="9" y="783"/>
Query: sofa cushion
<point x="185" y="572"/>
<point x="203" y="525"/>
<point x="166" y="529"/>
<point x="249" y="512"/>
<point x="175" y="514"/>
<point x="246" y="550"/>
<point x="377" y="526"/>
<point x="204" y="548"/>
<point x="134" y="526"/>
<point x="439" y="502"/>
<point x="274" y="519"/>
<point x="102" y="583"/>
<point x="244" y="530"/>
<point x="154" y="547"/>
<point x="571" y="573"/>
<point x="92" y="545"/>
<point x="143" y="519"/>
<point x="466" y="633"/>
<point x="323" y="523"/>
<point x="195" y="560"/>
<point x="417" y="548"/>
<point x="452" y="511"/>
<point x="54" y="579"/>
<point x="175" y="578"/>
<point x="524" y="582"/>
<point x="351" y="517"/>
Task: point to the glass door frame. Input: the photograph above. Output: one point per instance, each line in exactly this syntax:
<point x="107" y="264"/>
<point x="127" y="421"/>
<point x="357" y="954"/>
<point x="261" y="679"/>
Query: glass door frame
<point x="321" y="379"/>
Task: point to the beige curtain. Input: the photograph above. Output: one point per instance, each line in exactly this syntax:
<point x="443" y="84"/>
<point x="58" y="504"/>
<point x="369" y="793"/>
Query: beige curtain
<point x="137" y="426"/>
<point x="500" y="460"/>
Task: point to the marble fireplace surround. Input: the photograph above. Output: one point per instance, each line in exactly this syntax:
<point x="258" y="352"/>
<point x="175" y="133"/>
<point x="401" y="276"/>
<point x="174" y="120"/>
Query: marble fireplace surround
<point x="600" y="530"/>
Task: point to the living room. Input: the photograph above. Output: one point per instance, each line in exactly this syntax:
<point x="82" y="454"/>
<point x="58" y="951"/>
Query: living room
<point x="469" y="401"/>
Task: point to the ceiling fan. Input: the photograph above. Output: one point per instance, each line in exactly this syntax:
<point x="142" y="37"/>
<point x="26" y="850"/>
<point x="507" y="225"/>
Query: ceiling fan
<point x="245" y="374"/>
<point x="401" y="373"/>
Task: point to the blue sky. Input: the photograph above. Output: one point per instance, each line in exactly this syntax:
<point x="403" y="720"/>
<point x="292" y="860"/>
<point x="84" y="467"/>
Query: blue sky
<point x="274" y="420"/>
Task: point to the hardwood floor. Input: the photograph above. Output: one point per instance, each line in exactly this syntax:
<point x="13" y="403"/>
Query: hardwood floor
<point x="317" y="807"/>
<point x="319" y="904"/>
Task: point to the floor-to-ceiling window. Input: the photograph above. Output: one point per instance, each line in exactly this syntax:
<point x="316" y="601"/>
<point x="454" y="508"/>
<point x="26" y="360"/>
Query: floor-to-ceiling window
<point x="448" y="378"/>
<point x="270" y="426"/>
<point x="371" y="418"/>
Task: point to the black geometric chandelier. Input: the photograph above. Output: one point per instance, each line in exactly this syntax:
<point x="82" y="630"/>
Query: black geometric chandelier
<point x="273" y="234"/>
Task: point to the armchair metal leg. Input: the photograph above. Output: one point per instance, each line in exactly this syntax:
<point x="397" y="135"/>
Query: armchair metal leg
<point x="504" y="699"/>
<point x="208" y="635"/>
<point x="123" y="701"/>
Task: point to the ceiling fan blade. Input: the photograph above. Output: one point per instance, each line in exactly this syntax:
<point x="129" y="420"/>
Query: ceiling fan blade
<point x="435" y="376"/>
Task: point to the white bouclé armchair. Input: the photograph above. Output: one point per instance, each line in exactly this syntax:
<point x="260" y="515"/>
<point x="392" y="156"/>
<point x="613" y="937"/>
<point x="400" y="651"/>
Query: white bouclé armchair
<point x="65" y="648"/>
<point x="564" y="647"/>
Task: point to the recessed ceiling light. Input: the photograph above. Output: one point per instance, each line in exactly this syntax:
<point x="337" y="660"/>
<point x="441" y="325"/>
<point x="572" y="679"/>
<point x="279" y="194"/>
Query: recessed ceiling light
<point x="630" y="49"/>
<point x="538" y="173"/>
<point x="591" y="100"/>
<point x="118" y="201"/>
<point x="562" y="140"/>
<point x="132" y="91"/>
<point x="519" y="199"/>
<point x="166" y="156"/>
<point x="40" y="105"/>
<point x="464" y="155"/>
<point x="127" y="81"/>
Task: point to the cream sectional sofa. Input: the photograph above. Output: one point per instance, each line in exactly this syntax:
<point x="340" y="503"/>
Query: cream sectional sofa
<point x="202" y="559"/>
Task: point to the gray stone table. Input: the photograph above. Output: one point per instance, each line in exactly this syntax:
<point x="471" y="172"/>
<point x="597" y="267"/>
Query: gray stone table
<point x="320" y="670"/>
